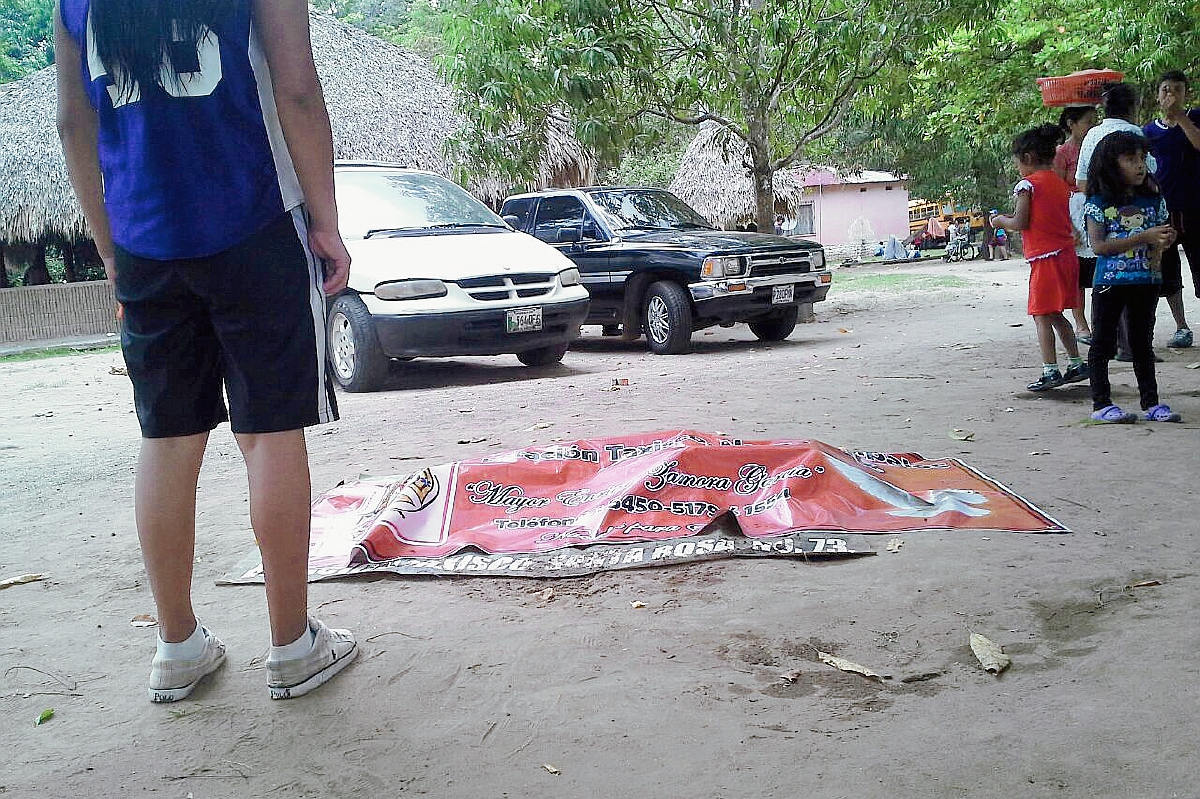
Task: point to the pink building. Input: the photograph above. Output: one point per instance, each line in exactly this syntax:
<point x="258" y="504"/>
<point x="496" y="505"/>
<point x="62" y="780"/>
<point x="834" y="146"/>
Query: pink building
<point x="846" y="211"/>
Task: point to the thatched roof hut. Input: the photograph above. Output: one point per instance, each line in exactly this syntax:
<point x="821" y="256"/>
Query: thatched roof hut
<point x="384" y="103"/>
<point x="714" y="178"/>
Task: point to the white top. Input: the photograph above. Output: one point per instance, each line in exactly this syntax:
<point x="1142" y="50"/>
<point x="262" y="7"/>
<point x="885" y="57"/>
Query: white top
<point x="1093" y="137"/>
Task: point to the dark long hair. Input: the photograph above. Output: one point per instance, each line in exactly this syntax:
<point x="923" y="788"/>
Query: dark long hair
<point x="1038" y="143"/>
<point x="1104" y="171"/>
<point x="135" y="38"/>
<point x="1072" y="114"/>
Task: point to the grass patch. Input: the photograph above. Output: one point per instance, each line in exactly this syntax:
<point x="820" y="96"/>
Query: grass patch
<point x="55" y="352"/>
<point x="896" y="283"/>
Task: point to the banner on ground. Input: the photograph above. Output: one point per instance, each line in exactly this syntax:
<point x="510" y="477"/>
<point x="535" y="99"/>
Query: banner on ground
<point x="646" y="499"/>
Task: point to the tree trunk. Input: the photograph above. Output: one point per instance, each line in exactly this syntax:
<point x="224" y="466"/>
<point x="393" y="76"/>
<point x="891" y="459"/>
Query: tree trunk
<point x="4" y="284"/>
<point x="761" y="173"/>
<point x="37" y="274"/>
<point x="68" y="256"/>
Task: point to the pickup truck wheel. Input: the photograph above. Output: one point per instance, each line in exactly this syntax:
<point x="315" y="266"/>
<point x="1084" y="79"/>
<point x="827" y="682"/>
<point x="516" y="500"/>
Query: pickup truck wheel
<point x="778" y="326"/>
<point x="357" y="360"/>
<point x="543" y="356"/>
<point x="668" y="318"/>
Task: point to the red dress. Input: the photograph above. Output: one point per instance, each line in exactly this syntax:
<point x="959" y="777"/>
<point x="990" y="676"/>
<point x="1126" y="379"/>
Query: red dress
<point x="1049" y="245"/>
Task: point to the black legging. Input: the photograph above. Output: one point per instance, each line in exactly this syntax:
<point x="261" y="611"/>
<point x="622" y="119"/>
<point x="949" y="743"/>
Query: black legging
<point x="1139" y="303"/>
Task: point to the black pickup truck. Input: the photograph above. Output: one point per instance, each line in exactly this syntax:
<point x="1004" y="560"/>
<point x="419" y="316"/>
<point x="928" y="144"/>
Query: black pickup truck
<point x="651" y="263"/>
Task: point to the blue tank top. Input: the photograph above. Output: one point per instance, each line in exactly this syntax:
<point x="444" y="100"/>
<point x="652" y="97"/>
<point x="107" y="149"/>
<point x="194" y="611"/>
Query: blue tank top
<point x="193" y="168"/>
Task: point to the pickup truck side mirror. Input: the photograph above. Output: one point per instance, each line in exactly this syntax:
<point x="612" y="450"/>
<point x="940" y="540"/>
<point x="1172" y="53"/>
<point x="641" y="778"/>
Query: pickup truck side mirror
<point x="512" y="221"/>
<point x="569" y="235"/>
<point x="590" y="230"/>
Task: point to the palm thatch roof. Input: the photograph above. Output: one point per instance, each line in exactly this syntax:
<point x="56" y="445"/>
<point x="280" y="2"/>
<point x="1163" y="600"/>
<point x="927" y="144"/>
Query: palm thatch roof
<point x="385" y="104"/>
<point x="714" y="178"/>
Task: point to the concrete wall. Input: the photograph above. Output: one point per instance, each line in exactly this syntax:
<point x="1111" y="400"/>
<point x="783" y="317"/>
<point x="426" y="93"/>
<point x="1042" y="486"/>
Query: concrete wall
<point x="56" y="311"/>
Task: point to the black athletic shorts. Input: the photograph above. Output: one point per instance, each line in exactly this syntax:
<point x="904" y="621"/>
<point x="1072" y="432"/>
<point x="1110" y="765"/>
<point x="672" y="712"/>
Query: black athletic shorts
<point x="249" y="321"/>
<point x="1187" y="230"/>
<point x="1087" y="272"/>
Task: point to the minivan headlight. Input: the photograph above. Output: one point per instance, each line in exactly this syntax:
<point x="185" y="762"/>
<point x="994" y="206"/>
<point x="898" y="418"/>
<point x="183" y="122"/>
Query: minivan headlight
<point x="410" y="289"/>
<point x="569" y="277"/>
<point x="722" y="266"/>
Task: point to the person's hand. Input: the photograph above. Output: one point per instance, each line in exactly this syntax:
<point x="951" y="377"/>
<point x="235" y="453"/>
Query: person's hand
<point x="329" y="247"/>
<point x="110" y="271"/>
<point x="1159" y="237"/>
<point x="1170" y="104"/>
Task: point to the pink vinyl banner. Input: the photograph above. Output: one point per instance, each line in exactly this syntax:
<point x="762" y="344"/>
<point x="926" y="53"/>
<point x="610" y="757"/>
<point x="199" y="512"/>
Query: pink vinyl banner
<point x="647" y="499"/>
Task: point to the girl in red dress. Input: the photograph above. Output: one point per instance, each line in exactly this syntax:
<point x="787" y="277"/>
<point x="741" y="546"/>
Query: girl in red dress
<point x="1041" y="212"/>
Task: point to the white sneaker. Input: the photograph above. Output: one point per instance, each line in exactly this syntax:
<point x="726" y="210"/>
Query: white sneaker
<point x="331" y="652"/>
<point x="172" y="680"/>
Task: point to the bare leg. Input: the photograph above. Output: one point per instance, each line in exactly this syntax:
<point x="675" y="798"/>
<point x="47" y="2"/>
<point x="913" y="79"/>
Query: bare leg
<point x="1066" y="333"/>
<point x="1080" y="315"/>
<point x="1175" y="302"/>
<point x="280" y="495"/>
<point x="1045" y="335"/>
<point x="165" y="509"/>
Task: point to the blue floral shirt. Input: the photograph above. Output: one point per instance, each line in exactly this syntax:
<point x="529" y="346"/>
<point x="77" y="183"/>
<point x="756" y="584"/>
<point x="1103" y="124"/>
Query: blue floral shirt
<point x="1122" y="220"/>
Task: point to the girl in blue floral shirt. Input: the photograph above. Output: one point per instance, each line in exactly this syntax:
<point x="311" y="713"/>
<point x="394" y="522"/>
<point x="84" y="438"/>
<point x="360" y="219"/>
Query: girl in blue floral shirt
<point x="1127" y="227"/>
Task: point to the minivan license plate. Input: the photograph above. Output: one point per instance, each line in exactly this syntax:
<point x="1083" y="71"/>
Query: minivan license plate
<point x="523" y="320"/>
<point x="782" y="294"/>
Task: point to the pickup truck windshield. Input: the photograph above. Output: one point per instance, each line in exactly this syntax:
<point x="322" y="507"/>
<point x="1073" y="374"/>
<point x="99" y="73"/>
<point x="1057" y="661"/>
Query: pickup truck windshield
<point x="639" y="209"/>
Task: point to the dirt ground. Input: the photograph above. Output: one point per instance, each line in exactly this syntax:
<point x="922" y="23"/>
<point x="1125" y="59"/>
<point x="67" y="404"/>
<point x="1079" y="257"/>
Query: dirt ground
<point x="477" y="687"/>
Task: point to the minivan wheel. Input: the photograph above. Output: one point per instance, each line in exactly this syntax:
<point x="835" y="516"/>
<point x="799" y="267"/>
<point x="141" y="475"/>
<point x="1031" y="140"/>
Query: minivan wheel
<point x="667" y="318"/>
<point x="355" y="357"/>
<point x="543" y="356"/>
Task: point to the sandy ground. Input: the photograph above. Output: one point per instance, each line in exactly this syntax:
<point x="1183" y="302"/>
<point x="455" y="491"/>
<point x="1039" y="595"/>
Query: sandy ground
<point x="469" y="687"/>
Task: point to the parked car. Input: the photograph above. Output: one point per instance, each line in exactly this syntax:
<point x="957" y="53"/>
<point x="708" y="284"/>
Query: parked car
<point x="651" y="263"/>
<point x="436" y="273"/>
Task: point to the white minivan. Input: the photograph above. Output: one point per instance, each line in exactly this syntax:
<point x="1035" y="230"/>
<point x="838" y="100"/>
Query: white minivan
<point x="436" y="273"/>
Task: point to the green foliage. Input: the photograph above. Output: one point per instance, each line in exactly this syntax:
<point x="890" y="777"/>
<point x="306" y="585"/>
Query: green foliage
<point x="777" y="74"/>
<point x="26" y="37"/>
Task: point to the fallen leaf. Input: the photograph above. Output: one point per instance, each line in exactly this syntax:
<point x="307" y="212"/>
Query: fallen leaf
<point x="990" y="655"/>
<point x="1145" y="584"/>
<point x="790" y="677"/>
<point x="848" y="665"/>
<point x="118" y="370"/>
<point x="472" y="440"/>
<point x="44" y="716"/>
<point x="21" y="579"/>
<point x="894" y="545"/>
<point x="552" y="769"/>
<point x="1008" y="410"/>
<point x="539" y="426"/>
<point x="546" y="595"/>
<point x="845" y="330"/>
<point x="1195" y="365"/>
<point x="1038" y="452"/>
<point x="143" y="620"/>
<point x="958" y="434"/>
<point x="637" y="603"/>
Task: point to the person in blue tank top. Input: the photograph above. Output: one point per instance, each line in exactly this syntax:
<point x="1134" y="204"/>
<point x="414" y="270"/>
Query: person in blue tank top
<point x="198" y="143"/>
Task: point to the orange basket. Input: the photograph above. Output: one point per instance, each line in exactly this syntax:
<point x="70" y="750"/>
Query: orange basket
<point x="1078" y="88"/>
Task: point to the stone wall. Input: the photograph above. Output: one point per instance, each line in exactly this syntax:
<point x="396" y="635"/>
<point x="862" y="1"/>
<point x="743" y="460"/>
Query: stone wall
<point x="56" y="311"/>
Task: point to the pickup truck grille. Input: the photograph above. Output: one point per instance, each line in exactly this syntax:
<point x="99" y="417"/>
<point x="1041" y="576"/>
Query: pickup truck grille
<point x="494" y="288"/>
<point x="780" y="263"/>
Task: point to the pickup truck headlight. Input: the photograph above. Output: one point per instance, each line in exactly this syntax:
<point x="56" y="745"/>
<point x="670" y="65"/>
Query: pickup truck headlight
<point x="410" y="289"/>
<point x="818" y="259"/>
<point x="569" y="277"/>
<point x="723" y="266"/>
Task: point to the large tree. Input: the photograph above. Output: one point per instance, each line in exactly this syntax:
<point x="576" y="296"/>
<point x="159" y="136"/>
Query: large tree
<point x="26" y="37"/>
<point x="777" y="74"/>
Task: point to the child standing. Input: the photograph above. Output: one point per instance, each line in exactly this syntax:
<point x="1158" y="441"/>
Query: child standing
<point x="1127" y="226"/>
<point x="1041" y="212"/>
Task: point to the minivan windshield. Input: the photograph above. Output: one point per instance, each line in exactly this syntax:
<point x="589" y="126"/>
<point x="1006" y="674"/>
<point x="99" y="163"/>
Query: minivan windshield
<point x="646" y="209"/>
<point x="378" y="200"/>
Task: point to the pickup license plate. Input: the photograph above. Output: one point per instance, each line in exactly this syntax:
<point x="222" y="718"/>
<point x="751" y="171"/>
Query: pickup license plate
<point x="782" y="294"/>
<point x="524" y="320"/>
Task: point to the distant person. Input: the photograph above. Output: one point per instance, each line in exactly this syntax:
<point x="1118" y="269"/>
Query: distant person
<point x="1175" y="142"/>
<point x="997" y="242"/>
<point x="1041" y="214"/>
<point x="1075" y="122"/>
<point x="1126" y="221"/>
<point x="203" y="160"/>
